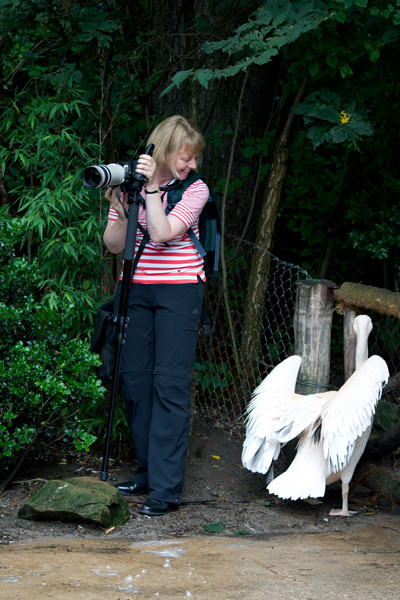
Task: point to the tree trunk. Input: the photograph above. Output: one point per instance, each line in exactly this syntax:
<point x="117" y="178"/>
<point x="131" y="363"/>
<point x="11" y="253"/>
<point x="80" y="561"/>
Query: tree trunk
<point x="3" y="191"/>
<point x="191" y="48"/>
<point x="255" y="299"/>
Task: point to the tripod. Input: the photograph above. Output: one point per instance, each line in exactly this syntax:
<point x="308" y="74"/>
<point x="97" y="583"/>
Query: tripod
<point x="132" y="187"/>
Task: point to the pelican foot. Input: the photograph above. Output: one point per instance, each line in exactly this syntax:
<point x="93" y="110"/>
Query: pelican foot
<point x="343" y="513"/>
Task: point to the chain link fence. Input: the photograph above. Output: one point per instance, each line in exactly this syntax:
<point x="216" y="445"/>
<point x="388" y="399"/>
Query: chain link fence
<point x="223" y="384"/>
<point x="384" y="340"/>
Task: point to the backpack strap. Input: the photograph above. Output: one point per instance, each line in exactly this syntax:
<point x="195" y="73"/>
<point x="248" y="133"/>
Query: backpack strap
<point x="174" y="196"/>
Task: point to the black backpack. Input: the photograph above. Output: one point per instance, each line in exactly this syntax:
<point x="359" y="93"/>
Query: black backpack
<point x="209" y="241"/>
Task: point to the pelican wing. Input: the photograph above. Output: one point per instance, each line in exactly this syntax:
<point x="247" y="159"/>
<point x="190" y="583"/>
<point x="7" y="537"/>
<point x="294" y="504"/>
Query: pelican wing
<point x="269" y="401"/>
<point x="302" y="414"/>
<point x="350" y="412"/>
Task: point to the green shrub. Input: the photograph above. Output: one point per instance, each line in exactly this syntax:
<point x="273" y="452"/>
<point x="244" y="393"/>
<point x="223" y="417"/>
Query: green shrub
<point x="47" y="375"/>
<point x="42" y="158"/>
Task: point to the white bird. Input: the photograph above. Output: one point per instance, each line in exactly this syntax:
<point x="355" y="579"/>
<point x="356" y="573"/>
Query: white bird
<point x="334" y="427"/>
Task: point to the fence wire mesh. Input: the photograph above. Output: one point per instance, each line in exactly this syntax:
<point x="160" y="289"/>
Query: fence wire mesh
<point x="223" y="380"/>
<point x="384" y="340"/>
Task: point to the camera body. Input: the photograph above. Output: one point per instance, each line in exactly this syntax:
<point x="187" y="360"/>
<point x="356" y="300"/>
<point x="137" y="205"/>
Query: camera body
<point x="121" y="174"/>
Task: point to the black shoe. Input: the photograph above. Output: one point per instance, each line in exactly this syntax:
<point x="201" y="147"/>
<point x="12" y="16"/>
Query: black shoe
<point x="154" y="508"/>
<point x="130" y="488"/>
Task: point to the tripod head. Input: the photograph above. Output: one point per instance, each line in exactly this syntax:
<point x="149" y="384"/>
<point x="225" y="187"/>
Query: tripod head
<point x="133" y="181"/>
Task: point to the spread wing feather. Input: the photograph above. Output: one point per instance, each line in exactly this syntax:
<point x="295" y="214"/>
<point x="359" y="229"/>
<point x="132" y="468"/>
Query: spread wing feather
<point x="302" y="414"/>
<point x="350" y="411"/>
<point x="263" y="414"/>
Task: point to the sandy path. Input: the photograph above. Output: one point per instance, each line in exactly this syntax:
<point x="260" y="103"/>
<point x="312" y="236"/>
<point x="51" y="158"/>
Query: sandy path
<point x="360" y="564"/>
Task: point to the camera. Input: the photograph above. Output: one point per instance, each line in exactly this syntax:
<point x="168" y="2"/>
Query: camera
<point x="101" y="176"/>
<point x="119" y="173"/>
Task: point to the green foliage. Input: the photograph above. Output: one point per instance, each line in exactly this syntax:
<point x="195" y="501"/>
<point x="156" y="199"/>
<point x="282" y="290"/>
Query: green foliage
<point x="43" y="158"/>
<point x="100" y="48"/>
<point x="94" y="419"/>
<point x="331" y="119"/>
<point x="386" y="415"/>
<point x="218" y="527"/>
<point x="217" y="134"/>
<point x="71" y="75"/>
<point x="213" y="378"/>
<point x="347" y="52"/>
<point x="280" y="347"/>
<point x="237" y="268"/>
<point x="376" y="229"/>
<point x="276" y="25"/>
<point x="310" y="202"/>
<point x="46" y="375"/>
<point x="269" y="29"/>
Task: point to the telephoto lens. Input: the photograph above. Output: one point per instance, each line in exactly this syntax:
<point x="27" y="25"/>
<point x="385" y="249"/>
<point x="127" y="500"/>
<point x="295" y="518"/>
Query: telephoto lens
<point x="104" y="175"/>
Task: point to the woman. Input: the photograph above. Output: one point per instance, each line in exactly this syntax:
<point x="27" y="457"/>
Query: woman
<point x="165" y="303"/>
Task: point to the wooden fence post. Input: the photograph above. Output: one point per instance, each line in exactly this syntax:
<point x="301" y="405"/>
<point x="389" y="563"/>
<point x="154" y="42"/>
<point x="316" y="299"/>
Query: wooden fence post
<point x="312" y="333"/>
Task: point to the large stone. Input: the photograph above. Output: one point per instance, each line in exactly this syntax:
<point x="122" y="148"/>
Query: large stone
<point x="80" y="499"/>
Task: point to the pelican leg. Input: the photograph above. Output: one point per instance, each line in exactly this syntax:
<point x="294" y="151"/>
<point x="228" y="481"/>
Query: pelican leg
<point x="344" y="511"/>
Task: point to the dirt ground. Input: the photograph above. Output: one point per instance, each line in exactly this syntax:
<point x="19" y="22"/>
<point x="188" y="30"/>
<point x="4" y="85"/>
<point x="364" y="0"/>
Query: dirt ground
<point x="230" y="539"/>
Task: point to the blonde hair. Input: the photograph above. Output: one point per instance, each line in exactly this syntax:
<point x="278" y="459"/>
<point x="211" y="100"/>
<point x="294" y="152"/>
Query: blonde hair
<point x="170" y="136"/>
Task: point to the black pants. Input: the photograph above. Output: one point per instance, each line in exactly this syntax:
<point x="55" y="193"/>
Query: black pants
<point x="156" y="370"/>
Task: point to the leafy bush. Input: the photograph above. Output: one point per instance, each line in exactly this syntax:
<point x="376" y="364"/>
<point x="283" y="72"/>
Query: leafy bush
<point x="46" y="375"/>
<point x="213" y="378"/>
<point x="43" y="157"/>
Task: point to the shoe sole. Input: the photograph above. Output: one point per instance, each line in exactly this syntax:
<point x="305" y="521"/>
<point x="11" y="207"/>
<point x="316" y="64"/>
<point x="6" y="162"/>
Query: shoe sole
<point x="158" y="514"/>
<point x="141" y="493"/>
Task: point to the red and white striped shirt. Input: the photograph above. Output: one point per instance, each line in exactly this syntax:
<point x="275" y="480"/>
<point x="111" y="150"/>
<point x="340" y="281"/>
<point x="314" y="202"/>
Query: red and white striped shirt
<point x="178" y="260"/>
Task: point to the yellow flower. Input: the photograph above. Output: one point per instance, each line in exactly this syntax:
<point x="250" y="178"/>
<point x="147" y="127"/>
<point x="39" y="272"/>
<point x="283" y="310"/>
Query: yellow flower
<point x="344" y="117"/>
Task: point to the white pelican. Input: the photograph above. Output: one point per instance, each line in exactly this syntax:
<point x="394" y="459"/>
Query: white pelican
<point x="334" y="427"/>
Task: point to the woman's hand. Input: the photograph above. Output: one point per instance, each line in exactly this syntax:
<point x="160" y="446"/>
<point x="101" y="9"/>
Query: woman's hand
<point x="120" y="206"/>
<point x="146" y="165"/>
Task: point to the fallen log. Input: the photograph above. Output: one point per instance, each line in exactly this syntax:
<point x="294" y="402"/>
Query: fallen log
<point x="384" y="445"/>
<point x="383" y="482"/>
<point x="367" y="297"/>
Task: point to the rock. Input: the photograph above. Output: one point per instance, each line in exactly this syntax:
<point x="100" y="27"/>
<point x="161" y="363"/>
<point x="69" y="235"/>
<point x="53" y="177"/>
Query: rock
<point x="80" y="499"/>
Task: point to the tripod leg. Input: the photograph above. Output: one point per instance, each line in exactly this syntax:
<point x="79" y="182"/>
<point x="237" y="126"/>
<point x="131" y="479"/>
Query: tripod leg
<point x="122" y="325"/>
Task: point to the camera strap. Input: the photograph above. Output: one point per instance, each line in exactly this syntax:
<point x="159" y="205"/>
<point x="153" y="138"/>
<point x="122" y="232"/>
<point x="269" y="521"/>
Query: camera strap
<point x="143" y="242"/>
<point x="120" y="201"/>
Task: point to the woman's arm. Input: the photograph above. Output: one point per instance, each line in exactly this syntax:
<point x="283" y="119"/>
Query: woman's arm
<point x="161" y="227"/>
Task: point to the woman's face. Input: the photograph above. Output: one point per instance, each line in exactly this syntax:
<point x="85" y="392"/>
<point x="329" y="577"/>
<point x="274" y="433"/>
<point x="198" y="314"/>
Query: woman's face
<point x="185" y="161"/>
